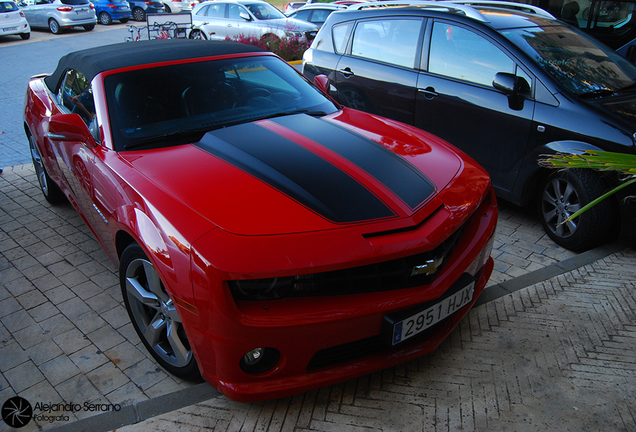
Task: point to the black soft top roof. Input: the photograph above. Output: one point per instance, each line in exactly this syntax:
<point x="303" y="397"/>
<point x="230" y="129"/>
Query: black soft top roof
<point x="92" y="61"/>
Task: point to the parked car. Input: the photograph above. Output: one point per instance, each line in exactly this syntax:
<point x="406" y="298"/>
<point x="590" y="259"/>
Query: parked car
<point x="315" y="13"/>
<point x="57" y="15"/>
<point x="292" y="6"/>
<point x="140" y="8"/>
<point x="13" y="21"/>
<point x="233" y="18"/>
<point x="109" y="10"/>
<point x="265" y="237"/>
<point x="178" y="6"/>
<point x="504" y="85"/>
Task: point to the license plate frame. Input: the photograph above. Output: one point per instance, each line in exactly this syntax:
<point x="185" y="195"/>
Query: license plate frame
<point x="406" y="325"/>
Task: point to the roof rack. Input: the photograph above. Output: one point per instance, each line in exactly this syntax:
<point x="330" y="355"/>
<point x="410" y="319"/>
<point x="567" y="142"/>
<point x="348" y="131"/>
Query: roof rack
<point x="522" y="7"/>
<point x="442" y="6"/>
<point x="464" y="7"/>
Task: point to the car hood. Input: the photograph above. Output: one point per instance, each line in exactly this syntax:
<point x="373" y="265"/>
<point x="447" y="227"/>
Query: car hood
<point x="288" y="23"/>
<point x="300" y="173"/>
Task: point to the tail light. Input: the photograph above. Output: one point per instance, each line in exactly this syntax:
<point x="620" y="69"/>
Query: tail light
<point x="65" y="8"/>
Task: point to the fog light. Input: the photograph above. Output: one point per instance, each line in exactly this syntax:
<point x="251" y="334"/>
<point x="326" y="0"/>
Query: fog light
<point x="259" y="360"/>
<point x="253" y="357"/>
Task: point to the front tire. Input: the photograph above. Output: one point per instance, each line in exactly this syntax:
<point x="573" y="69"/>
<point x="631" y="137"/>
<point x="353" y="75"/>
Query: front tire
<point x="52" y="193"/>
<point x="154" y="316"/>
<point x="564" y="193"/>
<point x="54" y="26"/>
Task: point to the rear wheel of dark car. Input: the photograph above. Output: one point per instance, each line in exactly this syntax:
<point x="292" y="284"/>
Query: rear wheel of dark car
<point x="54" y="26"/>
<point x="139" y="14"/>
<point x="104" y="18"/>
<point x="25" y="36"/>
<point x="154" y="315"/>
<point x="564" y="193"/>
<point x="50" y="190"/>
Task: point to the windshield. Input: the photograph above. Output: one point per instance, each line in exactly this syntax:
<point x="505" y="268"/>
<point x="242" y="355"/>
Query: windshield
<point x="7" y="7"/>
<point x="203" y="96"/>
<point x="580" y="64"/>
<point x="264" y="11"/>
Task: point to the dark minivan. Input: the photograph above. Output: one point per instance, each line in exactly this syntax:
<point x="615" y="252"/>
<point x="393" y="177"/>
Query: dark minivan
<point x="506" y="85"/>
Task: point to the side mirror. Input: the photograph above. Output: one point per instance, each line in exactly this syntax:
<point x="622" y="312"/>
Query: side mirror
<point x="245" y="16"/>
<point x="70" y="127"/>
<point x="322" y="82"/>
<point x="510" y="84"/>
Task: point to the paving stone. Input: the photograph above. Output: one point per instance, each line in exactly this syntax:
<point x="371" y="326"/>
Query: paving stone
<point x="43" y="352"/>
<point x="107" y="378"/>
<point x="23" y="376"/>
<point x="89" y="358"/>
<point x="105" y="338"/>
<point x="71" y="341"/>
<point x="125" y="355"/>
<point x="145" y="374"/>
<point x="59" y="369"/>
<point x="11" y="355"/>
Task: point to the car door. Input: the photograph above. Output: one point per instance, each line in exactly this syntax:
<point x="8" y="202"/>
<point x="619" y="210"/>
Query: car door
<point x="456" y="100"/>
<point x="378" y="73"/>
<point x="75" y="159"/>
<point x="237" y="25"/>
<point x="216" y="22"/>
<point x="33" y="11"/>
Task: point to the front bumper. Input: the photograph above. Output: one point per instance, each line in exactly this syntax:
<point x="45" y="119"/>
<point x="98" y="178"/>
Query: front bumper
<point x="301" y="328"/>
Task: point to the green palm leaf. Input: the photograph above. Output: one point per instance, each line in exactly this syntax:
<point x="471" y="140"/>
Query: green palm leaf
<point x="598" y="160"/>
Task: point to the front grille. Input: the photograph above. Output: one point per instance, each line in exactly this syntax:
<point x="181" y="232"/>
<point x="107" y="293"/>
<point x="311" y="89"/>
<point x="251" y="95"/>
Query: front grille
<point x="384" y="276"/>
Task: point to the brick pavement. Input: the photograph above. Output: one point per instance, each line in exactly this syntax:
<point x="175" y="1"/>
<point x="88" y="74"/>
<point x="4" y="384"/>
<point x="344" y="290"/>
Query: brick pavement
<point x="65" y="336"/>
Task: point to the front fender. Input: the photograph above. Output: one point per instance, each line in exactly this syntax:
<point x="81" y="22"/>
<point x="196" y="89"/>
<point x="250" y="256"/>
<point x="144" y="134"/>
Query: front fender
<point x="531" y="174"/>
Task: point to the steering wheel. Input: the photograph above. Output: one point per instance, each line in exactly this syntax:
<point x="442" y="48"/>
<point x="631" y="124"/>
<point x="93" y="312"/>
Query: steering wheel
<point x="251" y="94"/>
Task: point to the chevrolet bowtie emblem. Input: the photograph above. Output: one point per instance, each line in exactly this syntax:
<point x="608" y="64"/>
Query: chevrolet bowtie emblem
<point x="429" y="267"/>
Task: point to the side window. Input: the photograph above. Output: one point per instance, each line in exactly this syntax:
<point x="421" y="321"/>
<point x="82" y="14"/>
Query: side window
<point x="319" y="16"/>
<point x="203" y="11"/>
<point x="459" y="53"/>
<point x="340" y="34"/>
<point x="392" y="41"/>
<point x="76" y="95"/>
<point x="216" y="10"/>
<point x="303" y="15"/>
<point x="235" y="11"/>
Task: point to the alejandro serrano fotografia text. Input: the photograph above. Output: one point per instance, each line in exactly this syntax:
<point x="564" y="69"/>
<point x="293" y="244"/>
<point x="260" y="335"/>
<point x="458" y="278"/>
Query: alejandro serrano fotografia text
<point x="71" y="407"/>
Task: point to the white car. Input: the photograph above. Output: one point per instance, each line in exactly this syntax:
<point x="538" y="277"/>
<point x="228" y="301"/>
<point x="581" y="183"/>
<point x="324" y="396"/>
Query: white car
<point x="178" y="6"/>
<point x="235" y="18"/>
<point x="13" y="21"/>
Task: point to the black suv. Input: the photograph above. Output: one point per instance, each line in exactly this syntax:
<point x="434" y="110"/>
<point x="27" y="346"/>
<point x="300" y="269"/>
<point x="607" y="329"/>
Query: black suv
<point x="504" y="84"/>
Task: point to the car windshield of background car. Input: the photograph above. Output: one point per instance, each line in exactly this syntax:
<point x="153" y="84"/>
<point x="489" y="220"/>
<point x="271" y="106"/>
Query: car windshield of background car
<point x="8" y="7"/>
<point x="583" y="66"/>
<point x="265" y="11"/>
<point x="204" y="95"/>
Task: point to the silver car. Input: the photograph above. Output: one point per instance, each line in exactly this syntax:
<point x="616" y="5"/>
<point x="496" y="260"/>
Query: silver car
<point x="12" y="20"/>
<point x="234" y="18"/>
<point x="59" y="14"/>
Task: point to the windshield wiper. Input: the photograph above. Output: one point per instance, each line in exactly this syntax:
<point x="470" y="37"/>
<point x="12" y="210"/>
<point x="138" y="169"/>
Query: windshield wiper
<point x="317" y="113"/>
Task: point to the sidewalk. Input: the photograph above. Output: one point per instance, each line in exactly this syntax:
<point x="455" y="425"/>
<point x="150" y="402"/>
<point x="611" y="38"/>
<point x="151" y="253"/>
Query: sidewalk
<point x="550" y="346"/>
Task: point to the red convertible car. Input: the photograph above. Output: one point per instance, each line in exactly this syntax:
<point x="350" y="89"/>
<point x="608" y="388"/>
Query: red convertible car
<point x="267" y="238"/>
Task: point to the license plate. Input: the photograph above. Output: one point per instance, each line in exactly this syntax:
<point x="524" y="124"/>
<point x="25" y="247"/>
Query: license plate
<point x="9" y="29"/>
<point x="417" y="323"/>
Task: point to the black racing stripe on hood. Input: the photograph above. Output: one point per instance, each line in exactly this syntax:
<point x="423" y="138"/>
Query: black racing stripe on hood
<point x="397" y="174"/>
<point x="296" y="172"/>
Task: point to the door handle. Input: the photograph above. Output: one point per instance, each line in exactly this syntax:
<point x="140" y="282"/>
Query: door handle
<point x="429" y="93"/>
<point x="346" y="72"/>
